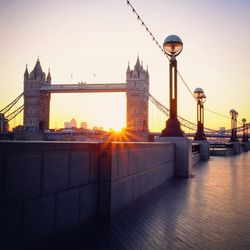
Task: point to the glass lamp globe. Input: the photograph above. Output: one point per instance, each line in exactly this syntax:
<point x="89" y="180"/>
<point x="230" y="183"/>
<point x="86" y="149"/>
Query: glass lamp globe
<point x="173" y="45"/>
<point x="232" y="112"/>
<point x="199" y="93"/>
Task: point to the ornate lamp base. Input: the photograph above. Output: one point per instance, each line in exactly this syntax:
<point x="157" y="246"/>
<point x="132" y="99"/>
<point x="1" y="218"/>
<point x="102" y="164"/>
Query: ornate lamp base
<point x="173" y="128"/>
<point x="200" y="136"/>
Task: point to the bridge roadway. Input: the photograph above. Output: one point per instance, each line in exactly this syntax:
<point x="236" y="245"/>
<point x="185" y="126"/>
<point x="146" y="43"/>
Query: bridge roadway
<point x="84" y="88"/>
<point x="209" y="211"/>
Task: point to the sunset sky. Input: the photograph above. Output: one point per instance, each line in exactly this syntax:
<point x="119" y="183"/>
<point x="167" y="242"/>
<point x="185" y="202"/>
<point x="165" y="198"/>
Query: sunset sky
<point x="93" y="40"/>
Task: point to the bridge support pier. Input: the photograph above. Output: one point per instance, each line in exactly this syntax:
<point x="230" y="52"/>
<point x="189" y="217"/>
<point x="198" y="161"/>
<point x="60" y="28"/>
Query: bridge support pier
<point x="182" y="154"/>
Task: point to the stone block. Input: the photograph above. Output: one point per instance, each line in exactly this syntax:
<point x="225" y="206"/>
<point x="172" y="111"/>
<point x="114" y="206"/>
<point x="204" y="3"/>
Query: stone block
<point x="182" y="154"/>
<point x="127" y="184"/>
<point x="56" y="171"/>
<point x="155" y="157"/>
<point x="79" y="168"/>
<point x="118" y="196"/>
<point x="149" y="179"/>
<point x="11" y="227"/>
<point x="123" y="161"/>
<point x="165" y="172"/>
<point x="22" y="179"/>
<point x="103" y="198"/>
<point x="136" y="186"/>
<point x="171" y="164"/>
<point x="134" y="161"/>
<point x="89" y="201"/>
<point x="114" y="166"/>
<point x="145" y="182"/>
<point x="151" y="176"/>
<point x="2" y="184"/>
<point x="105" y="165"/>
<point x="141" y="156"/>
<point x="204" y="150"/>
<point x="147" y="158"/>
<point x="38" y="219"/>
<point x="158" y="175"/>
<point x="94" y="165"/>
<point x="236" y="148"/>
<point x="67" y="209"/>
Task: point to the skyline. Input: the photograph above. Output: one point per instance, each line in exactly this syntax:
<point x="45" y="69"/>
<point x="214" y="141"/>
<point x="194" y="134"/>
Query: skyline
<point x="78" y="45"/>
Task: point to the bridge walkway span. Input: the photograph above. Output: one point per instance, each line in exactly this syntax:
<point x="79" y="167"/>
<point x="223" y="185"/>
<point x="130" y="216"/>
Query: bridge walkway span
<point x="84" y="88"/>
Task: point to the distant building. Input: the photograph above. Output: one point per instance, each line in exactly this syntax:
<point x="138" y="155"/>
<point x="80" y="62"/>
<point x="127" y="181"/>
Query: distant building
<point x="97" y="128"/>
<point x="67" y="125"/>
<point x="71" y="124"/>
<point x="84" y="125"/>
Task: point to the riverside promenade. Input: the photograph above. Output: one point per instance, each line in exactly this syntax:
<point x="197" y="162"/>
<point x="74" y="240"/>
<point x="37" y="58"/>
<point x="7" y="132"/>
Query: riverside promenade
<point x="210" y="210"/>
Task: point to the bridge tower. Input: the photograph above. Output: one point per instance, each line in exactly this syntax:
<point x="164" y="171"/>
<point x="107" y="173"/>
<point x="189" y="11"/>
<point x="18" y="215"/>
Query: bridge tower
<point x="36" y="103"/>
<point x="137" y="83"/>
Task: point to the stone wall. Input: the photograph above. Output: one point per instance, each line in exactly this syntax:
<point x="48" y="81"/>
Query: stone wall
<point x="47" y="187"/>
<point x="131" y="170"/>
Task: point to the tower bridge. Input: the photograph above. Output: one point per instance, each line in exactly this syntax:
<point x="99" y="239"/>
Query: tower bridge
<point x="38" y="89"/>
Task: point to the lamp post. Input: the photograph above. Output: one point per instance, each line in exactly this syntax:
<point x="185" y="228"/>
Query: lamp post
<point x="244" y="138"/>
<point x="200" y="98"/>
<point x="173" y="46"/>
<point x="247" y="125"/>
<point x="234" y="114"/>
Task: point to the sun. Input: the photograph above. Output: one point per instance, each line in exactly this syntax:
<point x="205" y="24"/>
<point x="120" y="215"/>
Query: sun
<point x="116" y="130"/>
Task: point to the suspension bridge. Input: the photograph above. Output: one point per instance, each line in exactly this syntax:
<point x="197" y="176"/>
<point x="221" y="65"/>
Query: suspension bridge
<point x="136" y="122"/>
<point x="8" y="113"/>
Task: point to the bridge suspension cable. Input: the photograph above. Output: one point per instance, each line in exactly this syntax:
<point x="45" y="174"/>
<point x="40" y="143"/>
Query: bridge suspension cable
<point x="184" y="122"/>
<point x="162" y="50"/>
<point x="9" y="106"/>
<point x="190" y="125"/>
<point x="14" y="113"/>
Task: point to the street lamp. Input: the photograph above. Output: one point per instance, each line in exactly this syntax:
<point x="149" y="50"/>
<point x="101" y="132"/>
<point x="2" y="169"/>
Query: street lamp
<point x="244" y="139"/>
<point x="200" y="98"/>
<point x="247" y="125"/>
<point x="234" y="114"/>
<point x="173" y="46"/>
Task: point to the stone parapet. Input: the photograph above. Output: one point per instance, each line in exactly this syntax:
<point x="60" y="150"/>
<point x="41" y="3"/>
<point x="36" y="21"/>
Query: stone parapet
<point x="48" y="187"/>
<point x="182" y="155"/>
